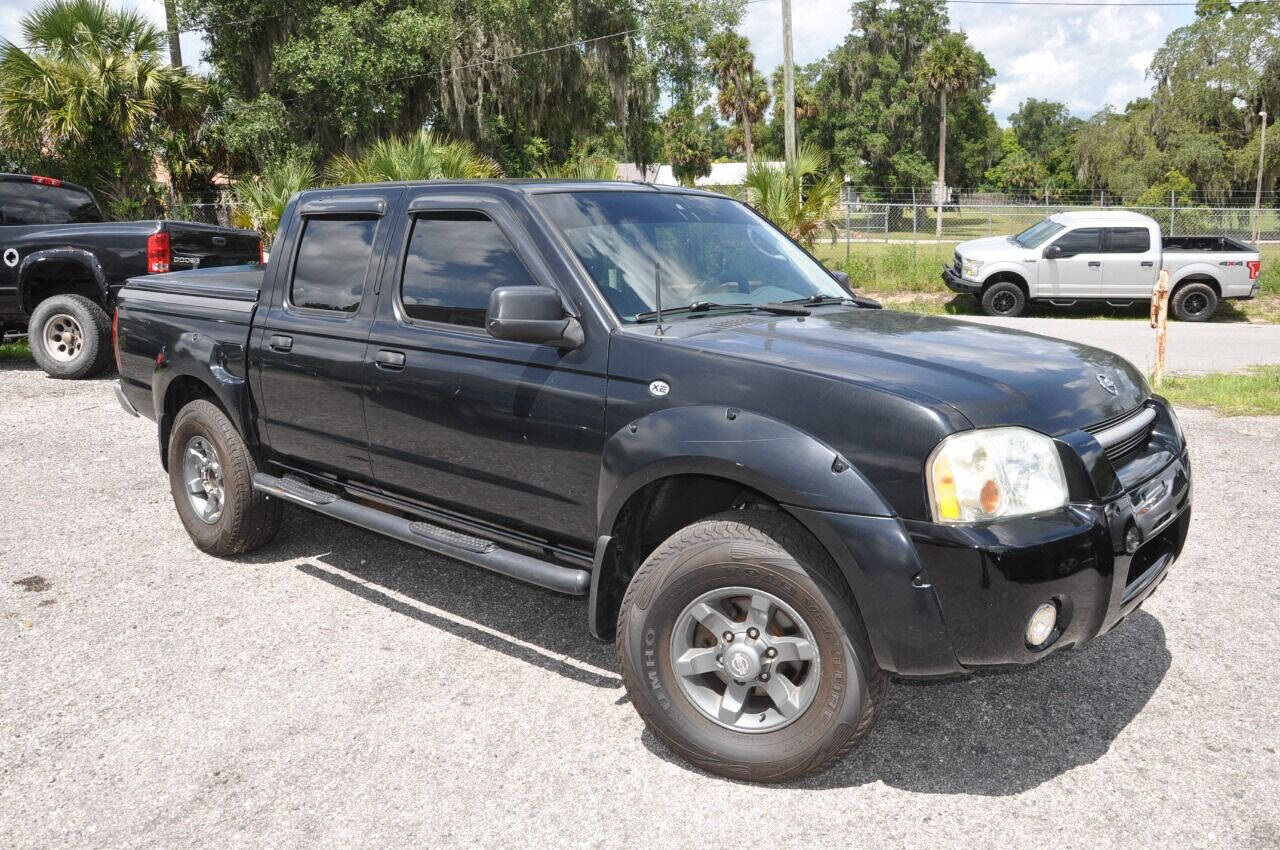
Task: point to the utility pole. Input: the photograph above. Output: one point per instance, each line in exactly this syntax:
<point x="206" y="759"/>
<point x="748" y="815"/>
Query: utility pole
<point x="1257" y="193"/>
<point x="788" y="88"/>
<point x="171" y="24"/>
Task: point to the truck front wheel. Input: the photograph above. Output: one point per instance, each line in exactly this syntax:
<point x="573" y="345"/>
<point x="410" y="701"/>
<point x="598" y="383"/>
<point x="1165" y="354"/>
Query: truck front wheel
<point x="70" y="337"/>
<point x="1004" y="298"/>
<point x="211" y="478"/>
<point x="741" y="649"/>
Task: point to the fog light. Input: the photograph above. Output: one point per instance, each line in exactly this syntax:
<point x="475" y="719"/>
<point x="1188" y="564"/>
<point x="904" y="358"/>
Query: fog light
<point x="1132" y="539"/>
<point x="1041" y="624"/>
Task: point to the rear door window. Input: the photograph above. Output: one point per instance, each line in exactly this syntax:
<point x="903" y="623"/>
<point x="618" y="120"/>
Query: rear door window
<point x="1128" y="240"/>
<point x="1086" y="240"/>
<point x="332" y="261"/>
<point x="26" y="202"/>
<point x="454" y="260"/>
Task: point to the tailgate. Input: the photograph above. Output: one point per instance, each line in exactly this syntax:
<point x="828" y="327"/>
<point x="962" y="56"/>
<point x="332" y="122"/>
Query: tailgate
<point x="199" y="246"/>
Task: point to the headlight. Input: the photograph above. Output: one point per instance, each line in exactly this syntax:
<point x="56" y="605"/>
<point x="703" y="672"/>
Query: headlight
<point x="994" y="473"/>
<point x="971" y="267"/>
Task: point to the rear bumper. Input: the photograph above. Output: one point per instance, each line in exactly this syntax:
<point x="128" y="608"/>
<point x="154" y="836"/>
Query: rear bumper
<point x="956" y="283"/>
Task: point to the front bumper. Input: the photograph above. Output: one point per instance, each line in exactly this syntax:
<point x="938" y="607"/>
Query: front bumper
<point x="957" y="283"/>
<point x="941" y="599"/>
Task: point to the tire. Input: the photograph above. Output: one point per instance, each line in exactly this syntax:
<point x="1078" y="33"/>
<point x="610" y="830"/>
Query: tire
<point x="1004" y="298"/>
<point x="70" y="337"/>
<point x="1194" y="302"/>
<point x="244" y="519"/>
<point x="753" y="551"/>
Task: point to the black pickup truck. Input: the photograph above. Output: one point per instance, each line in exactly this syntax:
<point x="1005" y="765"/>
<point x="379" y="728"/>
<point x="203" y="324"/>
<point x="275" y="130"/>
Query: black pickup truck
<point x="773" y="494"/>
<point x="61" y="265"/>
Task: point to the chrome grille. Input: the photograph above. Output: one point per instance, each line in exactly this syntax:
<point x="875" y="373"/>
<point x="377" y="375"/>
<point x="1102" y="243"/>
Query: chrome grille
<point x="1125" y="433"/>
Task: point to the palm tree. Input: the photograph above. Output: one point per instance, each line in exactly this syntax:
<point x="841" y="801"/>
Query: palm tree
<point x="744" y="96"/>
<point x="422" y="156"/>
<point x="260" y="202"/>
<point x="949" y="65"/>
<point x="92" y="72"/>
<point x="800" y="202"/>
<point x="584" y="168"/>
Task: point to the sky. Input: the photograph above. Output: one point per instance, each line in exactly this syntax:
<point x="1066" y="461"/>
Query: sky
<point x="1085" y="57"/>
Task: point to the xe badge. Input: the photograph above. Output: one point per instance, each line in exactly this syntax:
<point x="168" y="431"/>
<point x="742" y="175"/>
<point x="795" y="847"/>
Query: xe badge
<point x="1108" y="385"/>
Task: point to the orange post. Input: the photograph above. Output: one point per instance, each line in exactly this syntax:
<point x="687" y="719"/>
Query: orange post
<point x="1160" y="321"/>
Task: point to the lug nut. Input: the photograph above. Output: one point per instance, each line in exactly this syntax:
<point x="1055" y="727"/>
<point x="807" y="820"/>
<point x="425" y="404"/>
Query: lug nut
<point x="720" y="660"/>
<point x="753" y="633"/>
<point x="728" y="637"/>
<point x="764" y="677"/>
<point x="771" y="653"/>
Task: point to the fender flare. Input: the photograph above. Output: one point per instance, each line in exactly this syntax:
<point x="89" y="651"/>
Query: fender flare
<point x="788" y="465"/>
<point x="1005" y="267"/>
<point x="1196" y="270"/>
<point x="812" y="482"/>
<point x="212" y="363"/>
<point x="85" y="259"/>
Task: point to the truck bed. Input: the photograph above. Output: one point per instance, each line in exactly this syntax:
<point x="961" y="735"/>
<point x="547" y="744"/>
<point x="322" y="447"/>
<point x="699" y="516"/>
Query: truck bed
<point x="204" y="313"/>
<point x="1203" y="243"/>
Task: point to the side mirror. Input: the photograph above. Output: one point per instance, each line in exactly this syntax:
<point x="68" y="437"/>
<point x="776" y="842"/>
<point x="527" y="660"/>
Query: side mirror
<point x="531" y="314"/>
<point x="1055" y="252"/>
<point x="842" y="278"/>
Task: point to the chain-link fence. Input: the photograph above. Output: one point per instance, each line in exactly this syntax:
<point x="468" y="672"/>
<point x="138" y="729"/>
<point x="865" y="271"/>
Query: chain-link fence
<point x="859" y="220"/>
<point x="890" y="222"/>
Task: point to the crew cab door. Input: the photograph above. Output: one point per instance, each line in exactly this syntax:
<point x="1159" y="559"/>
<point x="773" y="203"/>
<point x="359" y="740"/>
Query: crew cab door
<point x="308" y="347"/>
<point x="506" y="433"/>
<point x="1132" y="262"/>
<point x="1071" y="265"/>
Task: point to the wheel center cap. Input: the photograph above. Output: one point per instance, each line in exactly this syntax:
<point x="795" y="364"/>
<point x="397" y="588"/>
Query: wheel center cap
<point x="742" y="663"/>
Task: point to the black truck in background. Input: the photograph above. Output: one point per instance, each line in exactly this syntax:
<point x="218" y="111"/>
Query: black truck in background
<point x="772" y="494"/>
<point x="61" y="264"/>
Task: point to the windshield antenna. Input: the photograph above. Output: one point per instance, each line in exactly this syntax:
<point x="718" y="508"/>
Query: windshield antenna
<point x="657" y="290"/>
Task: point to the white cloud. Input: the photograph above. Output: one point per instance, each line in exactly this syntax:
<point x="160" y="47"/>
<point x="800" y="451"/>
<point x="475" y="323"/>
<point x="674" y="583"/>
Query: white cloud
<point x="1083" y="57"/>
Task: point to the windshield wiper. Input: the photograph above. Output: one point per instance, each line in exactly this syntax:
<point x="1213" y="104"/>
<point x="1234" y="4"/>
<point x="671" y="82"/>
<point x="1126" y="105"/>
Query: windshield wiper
<point x="695" y="307"/>
<point x="819" y="300"/>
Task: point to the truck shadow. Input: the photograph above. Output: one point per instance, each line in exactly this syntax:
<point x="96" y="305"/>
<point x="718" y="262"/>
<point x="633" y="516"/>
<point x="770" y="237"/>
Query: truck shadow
<point x="524" y="622"/>
<point x="1004" y="732"/>
<point x="994" y="733"/>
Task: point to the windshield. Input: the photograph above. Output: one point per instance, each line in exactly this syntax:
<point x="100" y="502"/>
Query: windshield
<point x="1037" y="233"/>
<point x="708" y="249"/>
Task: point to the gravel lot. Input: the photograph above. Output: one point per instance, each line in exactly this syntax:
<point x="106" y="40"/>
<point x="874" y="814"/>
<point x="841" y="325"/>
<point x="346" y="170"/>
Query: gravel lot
<point x="337" y="689"/>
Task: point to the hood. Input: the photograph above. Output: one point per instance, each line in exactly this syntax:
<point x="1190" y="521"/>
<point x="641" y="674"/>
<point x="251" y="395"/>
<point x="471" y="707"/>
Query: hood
<point x="988" y="247"/>
<point x="993" y="376"/>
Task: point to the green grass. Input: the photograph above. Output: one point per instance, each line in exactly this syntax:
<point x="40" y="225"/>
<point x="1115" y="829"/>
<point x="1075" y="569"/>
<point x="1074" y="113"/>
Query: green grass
<point x="15" y="350"/>
<point x="892" y="271"/>
<point x="1252" y="393"/>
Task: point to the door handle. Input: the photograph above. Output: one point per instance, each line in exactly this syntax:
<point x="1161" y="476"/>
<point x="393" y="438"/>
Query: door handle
<point x="1146" y="264"/>
<point x="1095" y="264"/>
<point x="280" y="343"/>
<point x="392" y="361"/>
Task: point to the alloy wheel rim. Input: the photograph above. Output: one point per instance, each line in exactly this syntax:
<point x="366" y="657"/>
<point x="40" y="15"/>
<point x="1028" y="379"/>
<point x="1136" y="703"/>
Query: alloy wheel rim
<point x="1004" y="302"/>
<point x="745" y="660"/>
<point x="202" y="479"/>
<point x="1195" y="303"/>
<point x="63" y="338"/>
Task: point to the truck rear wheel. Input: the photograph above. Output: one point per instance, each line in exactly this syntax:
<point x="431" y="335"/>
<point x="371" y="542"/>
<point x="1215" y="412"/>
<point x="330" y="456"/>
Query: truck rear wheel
<point x="1194" y="302"/>
<point x="742" y="650"/>
<point x="211" y="478"/>
<point x="70" y="337"/>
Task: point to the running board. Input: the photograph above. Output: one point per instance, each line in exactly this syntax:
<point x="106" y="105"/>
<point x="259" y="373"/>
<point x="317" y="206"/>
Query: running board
<point x="435" y="538"/>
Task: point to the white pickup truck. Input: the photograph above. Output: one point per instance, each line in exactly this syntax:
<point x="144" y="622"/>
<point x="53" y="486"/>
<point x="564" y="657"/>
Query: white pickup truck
<point x="1105" y="256"/>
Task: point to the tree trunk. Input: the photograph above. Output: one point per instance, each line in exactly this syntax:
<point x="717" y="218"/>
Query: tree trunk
<point x="942" y="164"/>
<point x="744" y="112"/>
<point x="171" y="24"/>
